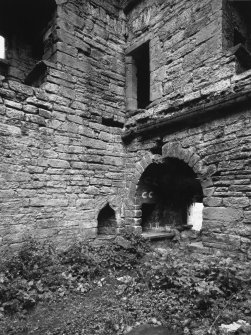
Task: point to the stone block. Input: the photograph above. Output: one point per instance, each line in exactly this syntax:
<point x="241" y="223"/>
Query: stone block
<point x="30" y="109"/>
<point x="81" y="65"/>
<point x="169" y="149"/>
<point x="247" y="217"/>
<point x="2" y="109"/>
<point x="239" y="202"/>
<point x="39" y="103"/>
<point x="122" y="242"/>
<point x="156" y="91"/>
<point x="21" y="88"/>
<point x="210" y="170"/>
<point x="240" y="188"/>
<point x="13" y="104"/>
<point x="51" y="88"/>
<point x="5" y="93"/>
<point x="75" y="119"/>
<point x="206" y="183"/>
<point x="212" y="202"/>
<point x="56" y="163"/>
<point x="14" y="114"/>
<point x="194" y="159"/>
<point x="35" y="119"/>
<point x="222" y="214"/>
<point x="129" y="221"/>
<point x="245" y="244"/>
<point x="199" y="168"/>
<point x="209" y="191"/>
<point x="8" y="130"/>
<point x="44" y="113"/>
<point x="213" y="226"/>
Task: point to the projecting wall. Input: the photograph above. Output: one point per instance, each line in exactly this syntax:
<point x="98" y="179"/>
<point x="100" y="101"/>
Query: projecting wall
<point x="190" y="68"/>
<point x="219" y="153"/>
<point x="61" y="150"/>
<point x="190" y="56"/>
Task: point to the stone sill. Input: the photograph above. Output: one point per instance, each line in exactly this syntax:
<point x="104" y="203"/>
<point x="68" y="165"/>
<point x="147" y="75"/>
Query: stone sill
<point x="105" y="237"/>
<point x="152" y="235"/>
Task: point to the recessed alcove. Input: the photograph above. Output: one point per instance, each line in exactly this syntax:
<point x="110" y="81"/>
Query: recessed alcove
<point x="107" y="223"/>
<point x="138" y="76"/>
<point x="166" y="193"/>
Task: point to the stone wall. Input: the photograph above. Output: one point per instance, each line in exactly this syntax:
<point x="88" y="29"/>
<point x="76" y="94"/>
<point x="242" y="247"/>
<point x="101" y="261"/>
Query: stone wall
<point x="69" y="147"/>
<point x="219" y="153"/>
<point x="61" y="150"/>
<point x="193" y="75"/>
<point x="185" y="39"/>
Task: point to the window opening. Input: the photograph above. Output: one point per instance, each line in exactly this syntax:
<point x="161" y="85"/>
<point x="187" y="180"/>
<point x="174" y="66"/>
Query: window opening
<point x="139" y="77"/>
<point x="2" y="47"/>
<point x="143" y="75"/>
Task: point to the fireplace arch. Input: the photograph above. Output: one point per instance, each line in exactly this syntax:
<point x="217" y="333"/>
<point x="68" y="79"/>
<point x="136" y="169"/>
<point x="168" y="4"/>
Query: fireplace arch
<point x="197" y="172"/>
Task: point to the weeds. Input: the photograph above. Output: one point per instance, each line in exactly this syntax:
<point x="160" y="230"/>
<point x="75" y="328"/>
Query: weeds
<point x="38" y="269"/>
<point x="179" y="291"/>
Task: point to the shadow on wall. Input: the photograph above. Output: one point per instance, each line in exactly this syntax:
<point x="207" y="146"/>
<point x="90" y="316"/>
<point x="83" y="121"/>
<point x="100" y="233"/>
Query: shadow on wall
<point x="107" y="223"/>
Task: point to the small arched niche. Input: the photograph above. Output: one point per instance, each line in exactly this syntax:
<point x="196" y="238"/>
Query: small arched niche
<point x="107" y="223"/>
<point x="168" y="194"/>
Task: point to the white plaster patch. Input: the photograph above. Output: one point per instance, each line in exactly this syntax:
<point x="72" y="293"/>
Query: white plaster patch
<point x="195" y="215"/>
<point x="2" y="47"/>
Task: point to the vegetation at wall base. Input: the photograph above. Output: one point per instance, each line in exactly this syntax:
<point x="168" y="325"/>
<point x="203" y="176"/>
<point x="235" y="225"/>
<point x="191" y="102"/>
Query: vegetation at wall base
<point x="119" y="285"/>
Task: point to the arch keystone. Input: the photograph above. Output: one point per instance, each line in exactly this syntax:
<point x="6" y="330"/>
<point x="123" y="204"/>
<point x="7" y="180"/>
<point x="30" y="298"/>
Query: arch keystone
<point x="175" y="150"/>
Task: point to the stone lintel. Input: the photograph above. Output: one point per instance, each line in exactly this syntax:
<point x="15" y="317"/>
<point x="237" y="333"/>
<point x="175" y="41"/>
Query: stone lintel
<point x="136" y="45"/>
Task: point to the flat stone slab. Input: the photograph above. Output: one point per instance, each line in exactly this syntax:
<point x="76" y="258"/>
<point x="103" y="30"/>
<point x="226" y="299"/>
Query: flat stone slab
<point x="158" y="235"/>
<point x="150" y="330"/>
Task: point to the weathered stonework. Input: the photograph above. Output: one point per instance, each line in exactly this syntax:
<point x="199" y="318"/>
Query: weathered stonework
<point x="60" y="162"/>
<point x="69" y="146"/>
<point x="200" y="113"/>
